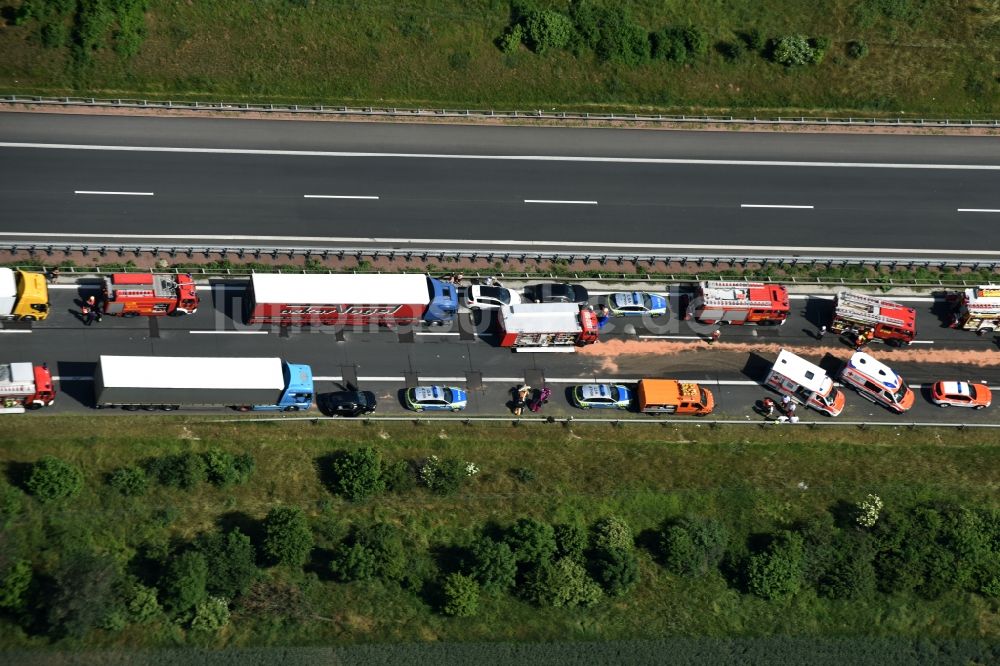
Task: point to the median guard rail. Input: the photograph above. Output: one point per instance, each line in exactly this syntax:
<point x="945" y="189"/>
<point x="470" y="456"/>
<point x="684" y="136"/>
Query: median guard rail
<point x="491" y="114"/>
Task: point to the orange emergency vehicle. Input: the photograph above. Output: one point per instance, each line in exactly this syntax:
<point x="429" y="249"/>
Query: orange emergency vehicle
<point x="149" y="295"/>
<point x="670" y="396"/>
<point x="887" y="321"/>
<point x="721" y="302"/>
<point x="979" y="309"/>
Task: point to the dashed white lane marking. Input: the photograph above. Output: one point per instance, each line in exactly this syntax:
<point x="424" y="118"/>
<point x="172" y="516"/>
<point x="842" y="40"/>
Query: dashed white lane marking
<point x="771" y="206"/>
<point x="596" y="246"/>
<point x="120" y="194"/>
<point x="530" y="158"/>
<point x="229" y="332"/>
<point x="979" y="210"/>
<point x="437" y="333"/>
<point x="557" y="201"/>
<point x="921" y="342"/>
<point x="15" y="330"/>
<point x="337" y="196"/>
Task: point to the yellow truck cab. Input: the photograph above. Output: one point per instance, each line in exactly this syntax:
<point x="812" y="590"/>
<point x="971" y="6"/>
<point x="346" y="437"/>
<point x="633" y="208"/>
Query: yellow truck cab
<point x="670" y="396"/>
<point x="23" y="295"/>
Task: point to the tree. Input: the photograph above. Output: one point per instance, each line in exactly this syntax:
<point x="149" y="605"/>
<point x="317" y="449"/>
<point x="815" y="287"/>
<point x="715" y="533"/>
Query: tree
<point x="15" y="577"/>
<point x="86" y="593"/>
<point x="561" y="583"/>
<point x="571" y="541"/>
<point x="613" y="533"/>
<point x="622" y="40"/>
<point x="211" y="615"/>
<point x="287" y="538"/>
<point x="461" y="595"/>
<point x="375" y="551"/>
<point x="696" y="41"/>
<point x="616" y="570"/>
<point x="547" y="30"/>
<point x="223" y="469"/>
<point x="532" y="541"/>
<point x="776" y="572"/>
<point x="231" y="560"/>
<point x="184" y="583"/>
<point x="182" y="470"/>
<point x="492" y="564"/>
<point x="357" y="474"/>
<point x="54" y="479"/>
<point x="129" y="481"/>
<point x="693" y="547"/>
<point x="792" y="51"/>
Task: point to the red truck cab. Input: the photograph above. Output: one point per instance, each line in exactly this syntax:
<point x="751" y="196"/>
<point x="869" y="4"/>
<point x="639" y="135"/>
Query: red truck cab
<point x="149" y="295"/>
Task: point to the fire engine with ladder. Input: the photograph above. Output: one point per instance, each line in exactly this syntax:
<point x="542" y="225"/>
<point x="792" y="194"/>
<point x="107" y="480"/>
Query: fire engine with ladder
<point x="720" y="302"/>
<point x="547" y="327"/>
<point x="979" y="309"/>
<point x="149" y="295"/>
<point x="25" y="386"/>
<point x="888" y="321"/>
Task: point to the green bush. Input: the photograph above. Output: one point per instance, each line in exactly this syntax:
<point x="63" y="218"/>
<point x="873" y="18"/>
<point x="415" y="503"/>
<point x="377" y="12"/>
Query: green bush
<point x="562" y="583"/>
<point x="357" y="474"/>
<point x="398" y="476"/>
<point x="792" y="51"/>
<point x="53" y="479"/>
<point x="753" y="39"/>
<point x="211" y="615"/>
<point x="129" y="481"/>
<point x="586" y="16"/>
<point x="732" y="51"/>
<point x="231" y="560"/>
<point x="461" y="595"/>
<point x="223" y="469"/>
<point x="184" y="583"/>
<point x="616" y="570"/>
<point x="777" y="571"/>
<point x="696" y="41"/>
<point x="819" y="46"/>
<point x="613" y="533"/>
<point x="693" y="547"/>
<point x="668" y="44"/>
<point x="287" y="538"/>
<point x="857" y="49"/>
<point x="54" y="35"/>
<point x="492" y="564"/>
<point x="523" y="474"/>
<point x="444" y="476"/>
<point x="512" y="38"/>
<point x="181" y="470"/>
<point x="131" y="19"/>
<point x="621" y="39"/>
<point x="372" y="552"/>
<point x="11" y="504"/>
<point x="15" y="578"/>
<point x="547" y="30"/>
<point x="85" y="593"/>
<point x="532" y="541"/>
<point x="571" y="541"/>
<point x="141" y="604"/>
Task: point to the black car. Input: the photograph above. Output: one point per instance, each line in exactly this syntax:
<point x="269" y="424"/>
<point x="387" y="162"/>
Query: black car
<point x="346" y="403"/>
<point x="554" y="292"/>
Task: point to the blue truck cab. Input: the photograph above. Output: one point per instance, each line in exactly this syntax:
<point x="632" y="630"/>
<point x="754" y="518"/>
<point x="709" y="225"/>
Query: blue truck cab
<point x="443" y="301"/>
<point x="298" y="392"/>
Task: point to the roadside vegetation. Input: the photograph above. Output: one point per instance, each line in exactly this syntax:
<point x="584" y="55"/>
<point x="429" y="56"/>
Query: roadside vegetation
<point x="150" y="532"/>
<point x="889" y="57"/>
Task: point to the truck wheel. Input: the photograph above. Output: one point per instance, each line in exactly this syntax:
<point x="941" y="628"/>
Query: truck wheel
<point x="28" y="318"/>
<point x="168" y="408"/>
<point x="130" y="408"/>
<point x="984" y="331"/>
<point x="978" y="407"/>
<point x="293" y="408"/>
<point x="149" y="408"/>
<point x="130" y="315"/>
<point x="243" y="408"/>
<point x="32" y="406"/>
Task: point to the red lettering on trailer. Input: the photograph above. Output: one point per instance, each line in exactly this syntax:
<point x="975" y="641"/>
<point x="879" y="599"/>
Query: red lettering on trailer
<point x="356" y="310"/>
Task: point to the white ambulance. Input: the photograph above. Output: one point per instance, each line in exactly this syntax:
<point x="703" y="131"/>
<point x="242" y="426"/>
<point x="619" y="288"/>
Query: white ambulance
<point x="877" y="382"/>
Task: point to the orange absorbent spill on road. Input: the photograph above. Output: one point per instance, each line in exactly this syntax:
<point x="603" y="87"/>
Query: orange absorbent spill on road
<point x="613" y="349"/>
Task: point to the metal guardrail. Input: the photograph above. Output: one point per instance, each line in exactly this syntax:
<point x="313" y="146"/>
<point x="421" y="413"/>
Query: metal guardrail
<point x="557" y="257"/>
<point x="491" y="114"/>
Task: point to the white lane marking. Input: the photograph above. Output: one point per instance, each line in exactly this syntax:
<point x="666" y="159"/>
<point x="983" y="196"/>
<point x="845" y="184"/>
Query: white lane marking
<point x="228" y="332"/>
<point x="771" y="206"/>
<point x="71" y="378"/>
<point x="122" y="194"/>
<point x="979" y="210"/>
<point x="921" y="342"/>
<point x="531" y="158"/>
<point x="898" y="299"/>
<point x="436" y="333"/>
<point x="670" y="337"/>
<point x="526" y="243"/>
<point x="557" y="201"/>
<point x="336" y="196"/>
<point x="15" y="330"/>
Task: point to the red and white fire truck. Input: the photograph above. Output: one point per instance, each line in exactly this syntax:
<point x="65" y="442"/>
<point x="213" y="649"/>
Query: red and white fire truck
<point x="979" y="309"/>
<point x="555" y="327"/>
<point x="887" y="321"/>
<point x="721" y="302"/>
<point x="25" y="386"/>
<point x="149" y="295"/>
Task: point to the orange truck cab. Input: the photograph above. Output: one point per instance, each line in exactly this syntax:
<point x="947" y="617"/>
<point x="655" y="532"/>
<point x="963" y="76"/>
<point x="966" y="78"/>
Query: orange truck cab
<point x="670" y="396"/>
<point x="877" y="382"/>
<point x="805" y="383"/>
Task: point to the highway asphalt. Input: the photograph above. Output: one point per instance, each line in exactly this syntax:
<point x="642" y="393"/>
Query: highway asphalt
<point x="460" y="183"/>
<point x="387" y="361"/>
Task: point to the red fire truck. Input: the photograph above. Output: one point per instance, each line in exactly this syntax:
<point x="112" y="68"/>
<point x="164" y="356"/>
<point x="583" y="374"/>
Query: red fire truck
<point x="888" y="321"/>
<point x="149" y="295"/>
<point x="720" y="302"/>
<point x="25" y="386"/>
<point x="555" y="327"/>
<point x="979" y="309"/>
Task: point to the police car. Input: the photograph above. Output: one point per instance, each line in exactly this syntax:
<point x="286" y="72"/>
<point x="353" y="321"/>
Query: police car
<point x="422" y="398"/>
<point x="609" y="396"/>
<point x="636" y="303"/>
<point x="961" y="394"/>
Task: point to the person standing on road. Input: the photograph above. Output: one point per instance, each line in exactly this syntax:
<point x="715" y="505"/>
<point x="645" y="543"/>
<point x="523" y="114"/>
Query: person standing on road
<point x="94" y="310"/>
<point x="602" y="315"/>
<point x="821" y="332"/>
<point x="716" y="334"/>
<point x="785" y="402"/>
<point x="85" y="315"/>
<point x="768" y="407"/>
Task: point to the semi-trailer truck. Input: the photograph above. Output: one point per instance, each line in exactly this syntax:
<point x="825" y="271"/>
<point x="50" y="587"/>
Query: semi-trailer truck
<point x="170" y="382"/>
<point x="385" y="299"/>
